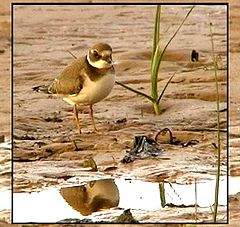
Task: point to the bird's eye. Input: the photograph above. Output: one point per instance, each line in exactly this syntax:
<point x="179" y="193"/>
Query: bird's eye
<point x="96" y="54"/>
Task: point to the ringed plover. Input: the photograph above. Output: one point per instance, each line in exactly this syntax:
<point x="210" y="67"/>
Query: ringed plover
<point x="86" y="80"/>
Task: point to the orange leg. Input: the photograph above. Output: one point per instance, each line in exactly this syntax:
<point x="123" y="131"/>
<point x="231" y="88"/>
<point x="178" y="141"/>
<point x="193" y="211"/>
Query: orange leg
<point x="75" y="111"/>
<point x="92" y="118"/>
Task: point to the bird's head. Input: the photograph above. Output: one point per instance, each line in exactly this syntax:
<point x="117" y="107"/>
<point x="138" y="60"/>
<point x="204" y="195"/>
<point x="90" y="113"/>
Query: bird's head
<point x="100" y="56"/>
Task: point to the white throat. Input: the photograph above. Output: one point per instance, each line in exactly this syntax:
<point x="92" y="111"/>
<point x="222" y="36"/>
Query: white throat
<point x="100" y="64"/>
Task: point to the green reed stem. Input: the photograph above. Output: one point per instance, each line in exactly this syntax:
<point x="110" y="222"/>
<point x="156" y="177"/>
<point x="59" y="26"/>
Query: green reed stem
<point x="162" y="194"/>
<point x="155" y="63"/>
<point x="218" y="130"/>
<point x="157" y="58"/>
<point x="196" y="200"/>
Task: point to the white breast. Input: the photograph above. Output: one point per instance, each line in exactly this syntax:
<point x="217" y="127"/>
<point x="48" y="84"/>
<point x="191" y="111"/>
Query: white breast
<point x="93" y="91"/>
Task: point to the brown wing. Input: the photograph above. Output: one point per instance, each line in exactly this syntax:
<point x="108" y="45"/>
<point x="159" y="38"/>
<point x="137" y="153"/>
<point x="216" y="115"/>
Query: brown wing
<point x="71" y="80"/>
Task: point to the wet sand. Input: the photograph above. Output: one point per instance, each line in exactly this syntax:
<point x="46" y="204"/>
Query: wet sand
<point x="189" y="106"/>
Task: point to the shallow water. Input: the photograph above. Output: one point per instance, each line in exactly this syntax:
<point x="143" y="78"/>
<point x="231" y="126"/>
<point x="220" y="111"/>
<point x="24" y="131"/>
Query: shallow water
<point x="51" y="206"/>
<point x="5" y="198"/>
<point x="7" y="145"/>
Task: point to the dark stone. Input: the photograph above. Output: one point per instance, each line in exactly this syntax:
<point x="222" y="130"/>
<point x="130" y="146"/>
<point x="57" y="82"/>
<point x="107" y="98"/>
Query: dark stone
<point x="194" y="56"/>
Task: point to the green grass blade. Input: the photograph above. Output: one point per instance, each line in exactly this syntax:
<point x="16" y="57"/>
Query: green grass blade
<point x="157" y="58"/>
<point x="156" y="33"/>
<point x="135" y="91"/>
<point x="196" y="200"/>
<point x="165" y="87"/>
<point x="162" y="194"/>
<point x="218" y="130"/>
<point x="154" y="73"/>
<point x="175" y="33"/>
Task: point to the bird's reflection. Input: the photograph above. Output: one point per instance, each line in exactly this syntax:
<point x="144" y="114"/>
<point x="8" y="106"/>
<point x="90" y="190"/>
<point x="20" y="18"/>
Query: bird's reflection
<point x="92" y="197"/>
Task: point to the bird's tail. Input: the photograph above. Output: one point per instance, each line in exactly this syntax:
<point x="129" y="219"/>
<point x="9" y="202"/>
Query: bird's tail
<point x="41" y="88"/>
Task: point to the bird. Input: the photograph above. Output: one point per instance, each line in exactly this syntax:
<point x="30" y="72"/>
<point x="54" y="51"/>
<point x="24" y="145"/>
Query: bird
<point x="87" y="80"/>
